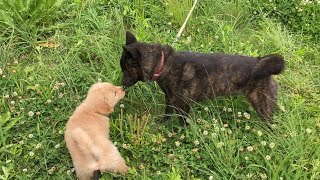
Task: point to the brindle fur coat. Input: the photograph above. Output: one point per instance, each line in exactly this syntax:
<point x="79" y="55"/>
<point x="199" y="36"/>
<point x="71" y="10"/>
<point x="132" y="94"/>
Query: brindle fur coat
<point x="189" y="77"/>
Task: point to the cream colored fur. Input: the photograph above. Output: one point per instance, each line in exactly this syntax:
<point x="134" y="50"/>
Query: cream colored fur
<point x="87" y="133"/>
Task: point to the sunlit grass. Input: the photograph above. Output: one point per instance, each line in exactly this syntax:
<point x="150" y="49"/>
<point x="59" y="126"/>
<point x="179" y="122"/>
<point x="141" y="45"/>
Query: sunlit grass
<point x="42" y="85"/>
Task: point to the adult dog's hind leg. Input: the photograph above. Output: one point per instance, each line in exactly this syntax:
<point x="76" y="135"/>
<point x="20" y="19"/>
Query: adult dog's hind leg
<point x="263" y="98"/>
<point x="183" y="110"/>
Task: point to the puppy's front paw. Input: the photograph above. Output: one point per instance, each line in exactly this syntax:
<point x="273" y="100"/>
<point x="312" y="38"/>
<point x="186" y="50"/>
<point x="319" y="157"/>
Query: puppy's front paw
<point x="123" y="169"/>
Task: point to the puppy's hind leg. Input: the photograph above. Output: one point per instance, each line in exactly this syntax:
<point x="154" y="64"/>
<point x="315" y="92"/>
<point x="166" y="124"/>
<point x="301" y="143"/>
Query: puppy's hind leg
<point x="111" y="160"/>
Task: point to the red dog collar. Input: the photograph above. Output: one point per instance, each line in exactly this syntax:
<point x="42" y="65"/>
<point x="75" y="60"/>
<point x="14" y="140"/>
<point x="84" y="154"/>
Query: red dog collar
<point x="159" y="68"/>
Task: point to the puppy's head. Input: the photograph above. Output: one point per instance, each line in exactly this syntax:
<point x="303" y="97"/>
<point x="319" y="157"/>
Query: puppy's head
<point x="104" y="96"/>
<point x="139" y="60"/>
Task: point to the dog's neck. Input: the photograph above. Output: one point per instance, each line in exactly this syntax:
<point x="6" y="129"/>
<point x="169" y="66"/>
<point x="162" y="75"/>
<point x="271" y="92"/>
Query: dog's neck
<point x="102" y="111"/>
<point x="159" y="68"/>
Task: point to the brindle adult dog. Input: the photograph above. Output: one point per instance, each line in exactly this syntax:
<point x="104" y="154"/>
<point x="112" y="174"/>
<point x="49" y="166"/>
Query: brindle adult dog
<point x="187" y="77"/>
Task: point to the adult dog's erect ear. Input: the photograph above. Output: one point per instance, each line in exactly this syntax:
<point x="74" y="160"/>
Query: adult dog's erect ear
<point x="132" y="52"/>
<point x="130" y="38"/>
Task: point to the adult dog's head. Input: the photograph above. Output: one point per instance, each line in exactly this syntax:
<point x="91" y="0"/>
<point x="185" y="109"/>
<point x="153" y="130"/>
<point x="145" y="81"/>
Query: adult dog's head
<point x="139" y="60"/>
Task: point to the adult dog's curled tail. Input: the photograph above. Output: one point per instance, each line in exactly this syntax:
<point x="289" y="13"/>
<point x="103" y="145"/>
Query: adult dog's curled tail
<point x="268" y="65"/>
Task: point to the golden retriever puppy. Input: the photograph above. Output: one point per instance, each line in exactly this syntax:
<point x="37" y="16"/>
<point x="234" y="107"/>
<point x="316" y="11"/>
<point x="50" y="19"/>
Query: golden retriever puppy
<point x="87" y="133"/>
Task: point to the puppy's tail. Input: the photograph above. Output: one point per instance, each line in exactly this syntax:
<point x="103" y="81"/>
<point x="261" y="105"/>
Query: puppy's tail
<point x="268" y="65"/>
<point x="87" y="147"/>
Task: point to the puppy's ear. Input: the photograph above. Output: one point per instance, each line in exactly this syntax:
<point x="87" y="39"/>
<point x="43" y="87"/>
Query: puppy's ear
<point x="130" y="38"/>
<point x="132" y="52"/>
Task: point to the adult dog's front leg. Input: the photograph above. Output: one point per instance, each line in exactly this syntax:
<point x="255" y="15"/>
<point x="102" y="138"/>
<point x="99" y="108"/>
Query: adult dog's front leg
<point x="169" y="110"/>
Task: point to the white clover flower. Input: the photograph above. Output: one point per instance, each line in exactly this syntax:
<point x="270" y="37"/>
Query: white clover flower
<point x="246" y="115"/>
<point x="68" y="172"/>
<point x="247" y="127"/>
<point x="158" y="172"/>
<point x="30" y="136"/>
<point x="216" y="129"/>
<point x="38" y="146"/>
<point x="293" y="134"/>
<point x="223" y="129"/>
<point x="31" y="153"/>
<point x="206" y="109"/>
<point x="37" y="85"/>
<point x="224" y="109"/>
<point x="124" y="146"/>
<point x="259" y="133"/>
<point x="60" y="132"/>
<point x="170" y="134"/>
<point x="57" y="146"/>
<point x="273" y="126"/>
<point x="308" y="130"/>
<point x="25" y="170"/>
<point x="229" y="131"/>
<point x="205" y="132"/>
<point x="60" y="95"/>
<point x="7" y="96"/>
<point x="239" y="114"/>
<point x="195" y="150"/>
<point x="215" y="121"/>
<point x="199" y="120"/>
<point x="241" y="149"/>
<point x="249" y="175"/>
<point x="220" y="144"/>
<point x="189" y="39"/>
<point x="229" y="109"/>
<point x="49" y="101"/>
<point x="250" y="148"/>
<point x="196" y="142"/>
<point x="268" y="157"/>
<point x="271" y="145"/>
<point x="8" y="161"/>
<point x="121" y="106"/>
<point x="38" y="113"/>
<point x="177" y="143"/>
<point x="12" y="103"/>
<point x="14" y="94"/>
<point x="30" y="113"/>
<point x="188" y="120"/>
<point x="214" y="135"/>
<point x="21" y="142"/>
<point x="263" y="143"/>
<point x="263" y="176"/>
<point x="210" y="177"/>
<point x="141" y="166"/>
<point x="225" y="125"/>
<point x="182" y="137"/>
<point x="246" y="158"/>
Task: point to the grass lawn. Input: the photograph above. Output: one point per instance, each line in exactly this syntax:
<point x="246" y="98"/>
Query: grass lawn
<point x="48" y="62"/>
